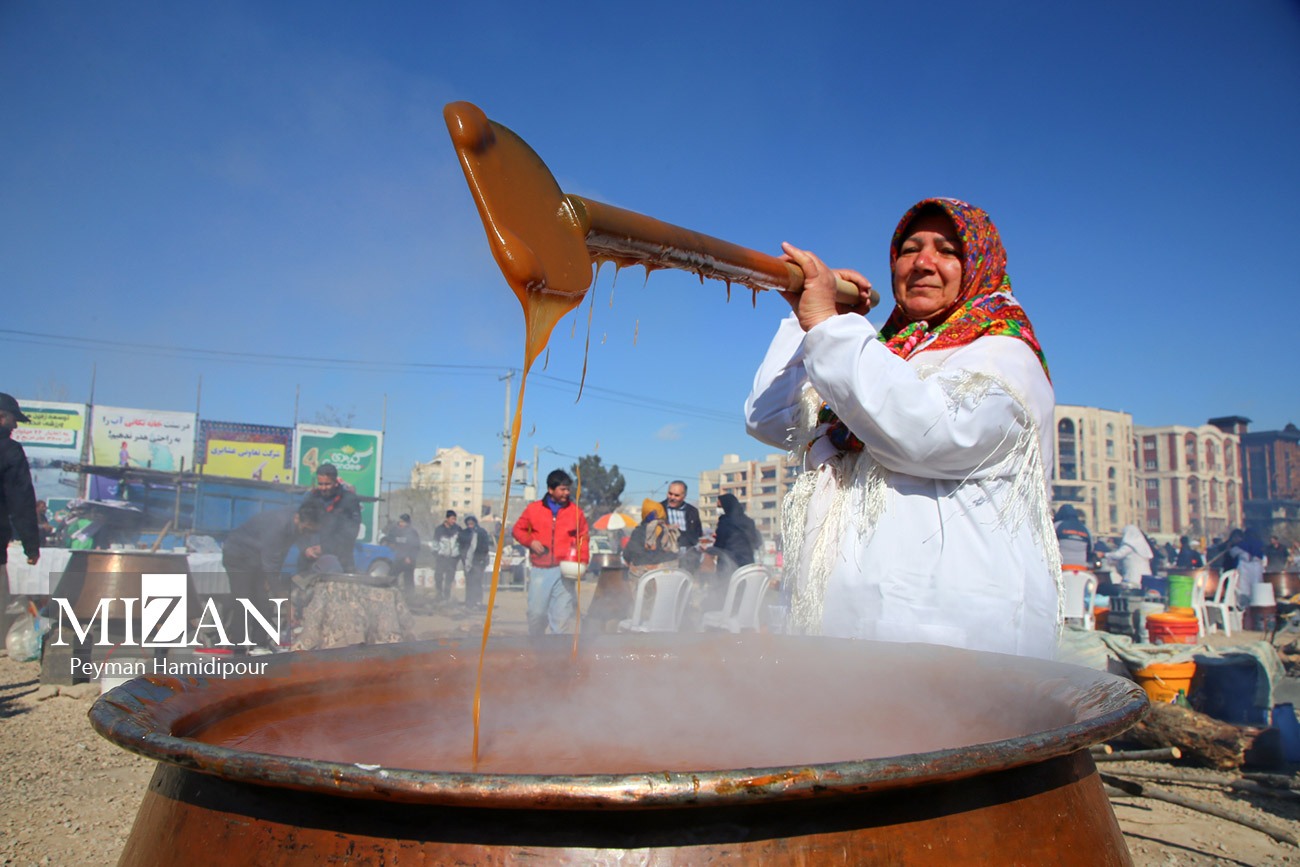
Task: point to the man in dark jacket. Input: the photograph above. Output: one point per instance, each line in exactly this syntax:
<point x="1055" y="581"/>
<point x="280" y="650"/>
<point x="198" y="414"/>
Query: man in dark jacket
<point x="342" y="520"/>
<point x="1073" y="537"/>
<point x="685" y="518"/>
<point x="17" y="497"/>
<point x="1188" y="557"/>
<point x="253" y="554"/>
<point x="405" y="543"/>
<point x="475" y="548"/>
<point x="446" y="550"/>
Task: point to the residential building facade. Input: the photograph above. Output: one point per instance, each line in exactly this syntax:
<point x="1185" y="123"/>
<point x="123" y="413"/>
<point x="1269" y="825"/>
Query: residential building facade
<point x="1270" y="476"/>
<point x="455" y="478"/>
<point x="760" y="486"/>
<point x="1190" y="480"/>
<point x="1095" y="470"/>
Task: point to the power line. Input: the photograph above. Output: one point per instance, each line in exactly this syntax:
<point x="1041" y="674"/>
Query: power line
<point x="64" y="341"/>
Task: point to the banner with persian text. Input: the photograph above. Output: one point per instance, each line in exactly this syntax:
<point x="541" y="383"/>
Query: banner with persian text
<point x="149" y="438"/>
<point x="246" y="451"/>
<point x="54" y="436"/>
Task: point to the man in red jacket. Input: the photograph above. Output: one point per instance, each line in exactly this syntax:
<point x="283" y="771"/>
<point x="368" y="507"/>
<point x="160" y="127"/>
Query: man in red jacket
<point x="554" y="530"/>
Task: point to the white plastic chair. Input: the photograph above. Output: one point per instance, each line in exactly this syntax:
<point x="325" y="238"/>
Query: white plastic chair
<point x="1080" y="590"/>
<point x="1224" y="605"/>
<point x="1198" y="605"/>
<point x="750" y="584"/>
<point x="672" y="594"/>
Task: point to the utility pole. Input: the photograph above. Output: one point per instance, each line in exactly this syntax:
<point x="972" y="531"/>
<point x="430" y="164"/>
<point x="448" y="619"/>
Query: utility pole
<point x="507" y="471"/>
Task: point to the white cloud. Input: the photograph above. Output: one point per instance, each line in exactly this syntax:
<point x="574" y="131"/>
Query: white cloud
<point x="670" y="432"/>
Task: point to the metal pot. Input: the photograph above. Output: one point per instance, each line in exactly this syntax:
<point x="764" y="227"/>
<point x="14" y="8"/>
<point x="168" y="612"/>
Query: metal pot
<point x="93" y="576"/>
<point x="922" y="755"/>
<point x="1285" y="584"/>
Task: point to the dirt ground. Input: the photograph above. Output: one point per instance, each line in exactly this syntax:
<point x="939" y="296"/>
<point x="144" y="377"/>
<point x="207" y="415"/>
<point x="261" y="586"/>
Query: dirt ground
<point x="69" y="797"/>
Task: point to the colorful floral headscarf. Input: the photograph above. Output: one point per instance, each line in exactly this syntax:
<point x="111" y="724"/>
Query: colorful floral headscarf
<point x="984" y="305"/>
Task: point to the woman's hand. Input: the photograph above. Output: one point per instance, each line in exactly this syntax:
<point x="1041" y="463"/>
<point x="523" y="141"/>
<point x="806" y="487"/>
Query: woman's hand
<point x="818" y="300"/>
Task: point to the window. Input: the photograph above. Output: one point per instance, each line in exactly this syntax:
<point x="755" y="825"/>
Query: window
<point x="1066" y="450"/>
<point x="1110" y="440"/>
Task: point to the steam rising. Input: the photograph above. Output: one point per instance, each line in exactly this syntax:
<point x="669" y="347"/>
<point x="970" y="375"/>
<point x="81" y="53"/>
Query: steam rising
<point x="698" y="704"/>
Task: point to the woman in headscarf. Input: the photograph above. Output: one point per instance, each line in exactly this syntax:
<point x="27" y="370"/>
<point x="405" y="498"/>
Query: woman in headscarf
<point x="653" y="543"/>
<point x="736" y="537"/>
<point x="1132" y="557"/>
<point x="923" y="511"/>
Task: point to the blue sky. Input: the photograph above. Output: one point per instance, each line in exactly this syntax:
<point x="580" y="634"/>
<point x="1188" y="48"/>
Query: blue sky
<point x="255" y="184"/>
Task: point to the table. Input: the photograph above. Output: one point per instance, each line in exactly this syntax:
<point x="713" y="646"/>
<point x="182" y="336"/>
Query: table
<point x="206" y="572"/>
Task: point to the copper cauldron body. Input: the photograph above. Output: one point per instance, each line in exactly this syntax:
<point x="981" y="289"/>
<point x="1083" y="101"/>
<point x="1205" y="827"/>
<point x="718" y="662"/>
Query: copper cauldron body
<point x="645" y="749"/>
<point x="1285" y="584"/>
<point x="93" y="576"/>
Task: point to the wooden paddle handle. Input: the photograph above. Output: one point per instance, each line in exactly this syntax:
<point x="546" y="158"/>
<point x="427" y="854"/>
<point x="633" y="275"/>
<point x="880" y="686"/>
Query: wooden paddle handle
<point x="626" y="237"/>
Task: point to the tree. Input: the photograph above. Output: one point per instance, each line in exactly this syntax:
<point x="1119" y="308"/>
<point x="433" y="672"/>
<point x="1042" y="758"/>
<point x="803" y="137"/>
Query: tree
<point x="334" y="417"/>
<point x="602" y="487"/>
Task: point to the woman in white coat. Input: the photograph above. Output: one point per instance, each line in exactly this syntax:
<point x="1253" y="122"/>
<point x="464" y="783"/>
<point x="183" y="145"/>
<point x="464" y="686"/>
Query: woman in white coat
<point x="922" y="514"/>
<point x="1132" y="557"/>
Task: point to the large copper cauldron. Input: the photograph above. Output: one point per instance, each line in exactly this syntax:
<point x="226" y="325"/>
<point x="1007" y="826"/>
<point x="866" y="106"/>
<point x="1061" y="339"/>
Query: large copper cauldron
<point x="751" y="749"/>
<point x="93" y="576"/>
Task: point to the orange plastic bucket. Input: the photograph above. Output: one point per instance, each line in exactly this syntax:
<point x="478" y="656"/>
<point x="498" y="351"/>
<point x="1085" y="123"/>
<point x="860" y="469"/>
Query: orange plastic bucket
<point x="1163" y="680"/>
<point x="1167" y="627"/>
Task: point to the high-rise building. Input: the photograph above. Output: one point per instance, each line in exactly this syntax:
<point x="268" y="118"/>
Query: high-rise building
<point x="759" y="485"/>
<point x="1270" y="477"/>
<point x="455" y="477"/>
<point x="1094" y="469"/>
<point x="1191" y="480"/>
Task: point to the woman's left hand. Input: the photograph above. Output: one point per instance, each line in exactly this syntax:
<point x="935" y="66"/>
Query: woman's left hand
<point x="819" y="301"/>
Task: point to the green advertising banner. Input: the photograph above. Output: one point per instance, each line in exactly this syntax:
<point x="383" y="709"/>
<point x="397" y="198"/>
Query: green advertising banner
<point x="357" y="454"/>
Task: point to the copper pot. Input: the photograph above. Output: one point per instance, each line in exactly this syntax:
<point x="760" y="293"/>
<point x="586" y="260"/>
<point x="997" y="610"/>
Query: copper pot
<point x="93" y="576"/>
<point x="1285" y="584"/>
<point x="934" y="755"/>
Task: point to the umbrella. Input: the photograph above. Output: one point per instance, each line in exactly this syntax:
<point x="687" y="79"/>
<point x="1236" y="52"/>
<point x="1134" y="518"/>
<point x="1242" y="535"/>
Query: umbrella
<point x="614" y="521"/>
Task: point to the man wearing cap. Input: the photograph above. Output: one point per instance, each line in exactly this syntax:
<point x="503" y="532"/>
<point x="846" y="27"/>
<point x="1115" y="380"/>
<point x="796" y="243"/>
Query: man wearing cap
<point x="446" y="545"/>
<point x="17" y="497"/>
<point x="342" y="521"/>
<point x="405" y="543"/>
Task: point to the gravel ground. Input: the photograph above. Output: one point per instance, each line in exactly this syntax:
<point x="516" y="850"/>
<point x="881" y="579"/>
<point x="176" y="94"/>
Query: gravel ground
<point x="69" y="797"/>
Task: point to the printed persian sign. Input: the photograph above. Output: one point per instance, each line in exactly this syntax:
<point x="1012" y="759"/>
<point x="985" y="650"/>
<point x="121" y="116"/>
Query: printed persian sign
<point x="54" y="436"/>
<point x="149" y="438"/>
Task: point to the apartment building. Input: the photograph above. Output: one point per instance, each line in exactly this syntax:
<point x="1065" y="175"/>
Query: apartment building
<point x="1270" y="476"/>
<point x="455" y="477"/>
<point x="759" y="485"/>
<point x="1095" y="468"/>
<point x="1190" y="480"/>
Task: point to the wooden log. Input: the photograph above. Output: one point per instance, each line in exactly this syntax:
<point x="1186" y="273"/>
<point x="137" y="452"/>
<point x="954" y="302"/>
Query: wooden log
<point x="1212" y="780"/>
<point x="1130" y="788"/>
<point x="1156" y="755"/>
<point x="1201" y="738"/>
<point x="1277" y="781"/>
<point x="1101" y="749"/>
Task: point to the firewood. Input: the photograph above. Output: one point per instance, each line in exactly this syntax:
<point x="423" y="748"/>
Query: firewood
<point x="1121" y="787"/>
<point x="1201" y="738"/>
<point x="1161" y="754"/>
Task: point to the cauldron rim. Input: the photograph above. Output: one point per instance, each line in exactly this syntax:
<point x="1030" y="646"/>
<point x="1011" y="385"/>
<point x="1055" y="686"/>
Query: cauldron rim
<point x="128" y="716"/>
